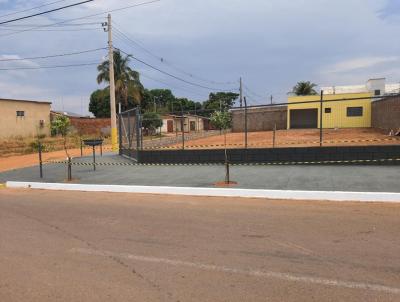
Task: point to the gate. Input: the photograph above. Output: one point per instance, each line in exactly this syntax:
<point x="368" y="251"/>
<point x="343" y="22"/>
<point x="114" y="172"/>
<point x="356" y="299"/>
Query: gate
<point x="130" y="133"/>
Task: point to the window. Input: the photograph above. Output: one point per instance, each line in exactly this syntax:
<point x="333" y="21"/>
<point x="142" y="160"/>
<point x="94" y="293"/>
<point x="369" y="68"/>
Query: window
<point x="328" y="110"/>
<point x="377" y="92"/>
<point x="20" y="113"/>
<point x="354" y="111"/>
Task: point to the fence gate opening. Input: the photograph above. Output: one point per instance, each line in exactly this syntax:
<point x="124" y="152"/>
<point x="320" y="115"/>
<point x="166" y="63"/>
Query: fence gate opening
<point x="130" y="133"/>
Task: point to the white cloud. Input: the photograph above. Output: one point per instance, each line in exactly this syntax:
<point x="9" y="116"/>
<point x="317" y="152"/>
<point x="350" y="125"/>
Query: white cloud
<point x="359" y="63"/>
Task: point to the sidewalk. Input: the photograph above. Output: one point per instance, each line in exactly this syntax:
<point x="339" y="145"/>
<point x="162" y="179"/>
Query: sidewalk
<point x="30" y="160"/>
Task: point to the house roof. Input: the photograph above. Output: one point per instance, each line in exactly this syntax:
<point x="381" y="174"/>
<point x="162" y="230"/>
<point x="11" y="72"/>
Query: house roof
<point x="25" y="101"/>
<point x="69" y="114"/>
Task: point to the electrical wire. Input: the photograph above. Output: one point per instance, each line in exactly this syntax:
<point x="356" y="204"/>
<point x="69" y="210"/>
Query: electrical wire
<point x="60" y="25"/>
<point x="46" y="12"/>
<point x="252" y="92"/>
<point x="80" y="18"/>
<point x="50" y="67"/>
<point x="169" y="85"/>
<point x="33" y="8"/>
<point x="59" y="30"/>
<point x="54" y="56"/>
<point x="162" y="59"/>
<point x="167" y="73"/>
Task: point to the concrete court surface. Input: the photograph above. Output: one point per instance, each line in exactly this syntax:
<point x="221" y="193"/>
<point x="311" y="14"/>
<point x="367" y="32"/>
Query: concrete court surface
<point x="357" y="178"/>
<point x="75" y="246"/>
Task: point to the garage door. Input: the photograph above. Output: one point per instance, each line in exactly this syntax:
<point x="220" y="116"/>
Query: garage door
<point x="303" y="118"/>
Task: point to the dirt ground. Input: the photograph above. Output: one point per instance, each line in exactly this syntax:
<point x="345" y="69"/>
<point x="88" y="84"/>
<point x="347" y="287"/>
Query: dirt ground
<point x="296" y="138"/>
<point x="30" y="160"/>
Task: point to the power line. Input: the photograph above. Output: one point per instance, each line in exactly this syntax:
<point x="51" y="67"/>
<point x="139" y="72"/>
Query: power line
<point x="80" y="18"/>
<point x="46" y="12"/>
<point x="59" y="30"/>
<point x="50" y="67"/>
<point x="169" y="85"/>
<point x="169" y="74"/>
<point x="60" y="25"/>
<point x="162" y="60"/>
<point x="252" y="92"/>
<point x="33" y="8"/>
<point x="54" y="56"/>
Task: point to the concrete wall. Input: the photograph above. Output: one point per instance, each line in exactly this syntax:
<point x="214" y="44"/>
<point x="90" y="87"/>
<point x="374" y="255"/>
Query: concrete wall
<point x="369" y="154"/>
<point x="260" y="119"/>
<point x="386" y="114"/>
<point x="28" y="125"/>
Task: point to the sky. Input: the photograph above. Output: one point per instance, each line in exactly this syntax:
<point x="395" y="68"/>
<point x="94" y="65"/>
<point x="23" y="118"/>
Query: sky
<point x="271" y="44"/>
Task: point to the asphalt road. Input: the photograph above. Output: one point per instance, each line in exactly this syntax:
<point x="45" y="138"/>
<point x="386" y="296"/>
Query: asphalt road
<point x="73" y="246"/>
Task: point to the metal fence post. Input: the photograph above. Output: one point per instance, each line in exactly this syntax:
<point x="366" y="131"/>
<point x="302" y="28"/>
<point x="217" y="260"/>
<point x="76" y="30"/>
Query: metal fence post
<point x="138" y="133"/>
<point x="129" y="131"/>
<point x="245" y="122"/>
<point x="81" y="148"/>
<point x="120" y="129"/>
<point x="69" y="169"/>
<point x="321" y="118"/>
<point x="40" y="159"/>
<point x="182" y="128"/>
<point x="274" y="137"/>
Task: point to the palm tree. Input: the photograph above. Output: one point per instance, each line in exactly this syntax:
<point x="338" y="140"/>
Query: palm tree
<point x="304" y="88"/>
<point x="127" y="80"/>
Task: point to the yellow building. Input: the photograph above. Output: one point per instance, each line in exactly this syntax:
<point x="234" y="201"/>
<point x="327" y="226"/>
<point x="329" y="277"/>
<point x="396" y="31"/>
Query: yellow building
<point x="355" y="113"/>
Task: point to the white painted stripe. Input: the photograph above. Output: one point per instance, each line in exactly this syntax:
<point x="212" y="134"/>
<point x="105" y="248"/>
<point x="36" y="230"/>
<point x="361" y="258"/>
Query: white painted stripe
<point x="217" y="192"/>
<point x="253" y="273"/>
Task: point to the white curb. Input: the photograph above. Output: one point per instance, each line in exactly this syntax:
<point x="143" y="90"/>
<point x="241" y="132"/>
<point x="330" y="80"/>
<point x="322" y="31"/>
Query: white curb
<point x="217" y="192"/>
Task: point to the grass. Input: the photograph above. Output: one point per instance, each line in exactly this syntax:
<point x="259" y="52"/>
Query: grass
<point x="22" y="146"/>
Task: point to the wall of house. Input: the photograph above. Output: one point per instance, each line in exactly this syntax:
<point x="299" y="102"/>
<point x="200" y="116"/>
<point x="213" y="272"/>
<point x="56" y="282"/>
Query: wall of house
<point x="198" y="122"/>
<point x="27" y="126"/>
<point x="337" y="118"/>
<point x="386" y="114"/>
<point x="260" y="119"/>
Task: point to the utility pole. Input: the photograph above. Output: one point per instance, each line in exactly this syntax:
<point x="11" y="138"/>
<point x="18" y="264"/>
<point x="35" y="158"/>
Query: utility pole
<point x="272" y="98"/>
<point x="155" y="104"/>
<point x="241" y="93"/>
<point x="114" y="132"/>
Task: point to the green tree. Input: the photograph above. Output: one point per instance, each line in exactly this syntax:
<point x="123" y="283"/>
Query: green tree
<point x="220" y="101"/>
<point x="223" y="121"/>
<point x="99" y="103"/>
<point x="304" y="88"/>
<point x="127" y="80"/>
<point x="151" y="122"/>
<point x="61" y="125"/>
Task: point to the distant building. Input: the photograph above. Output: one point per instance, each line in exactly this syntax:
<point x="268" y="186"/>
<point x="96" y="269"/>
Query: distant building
<point x="355" y="112"/>
<point x="191" y="123"/>
<point x="376" y="87"/>
<point x="24" y="118"/>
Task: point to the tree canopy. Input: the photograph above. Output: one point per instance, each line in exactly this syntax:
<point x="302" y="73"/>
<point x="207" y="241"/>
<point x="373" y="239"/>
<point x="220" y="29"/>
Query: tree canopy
<point x="127" y="80"/>
<point x="304" y="88"/>
<point x="221" y="100"/>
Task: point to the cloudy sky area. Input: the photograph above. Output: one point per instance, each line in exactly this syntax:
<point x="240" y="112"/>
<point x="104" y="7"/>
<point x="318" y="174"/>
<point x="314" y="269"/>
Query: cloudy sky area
<point x="271" y="44"/>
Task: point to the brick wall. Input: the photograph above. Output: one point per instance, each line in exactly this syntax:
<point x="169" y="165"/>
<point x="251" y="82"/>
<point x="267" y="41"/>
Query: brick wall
<point x="260" y="119"/>
<point x="386" y="114"/>
<point x="91" y="126"/>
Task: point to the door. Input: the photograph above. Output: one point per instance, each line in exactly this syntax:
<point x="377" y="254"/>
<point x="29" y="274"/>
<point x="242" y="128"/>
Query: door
<point x="303" y="118"/>
<point x="192" y="126"/>
<point x="170" y="126"/>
